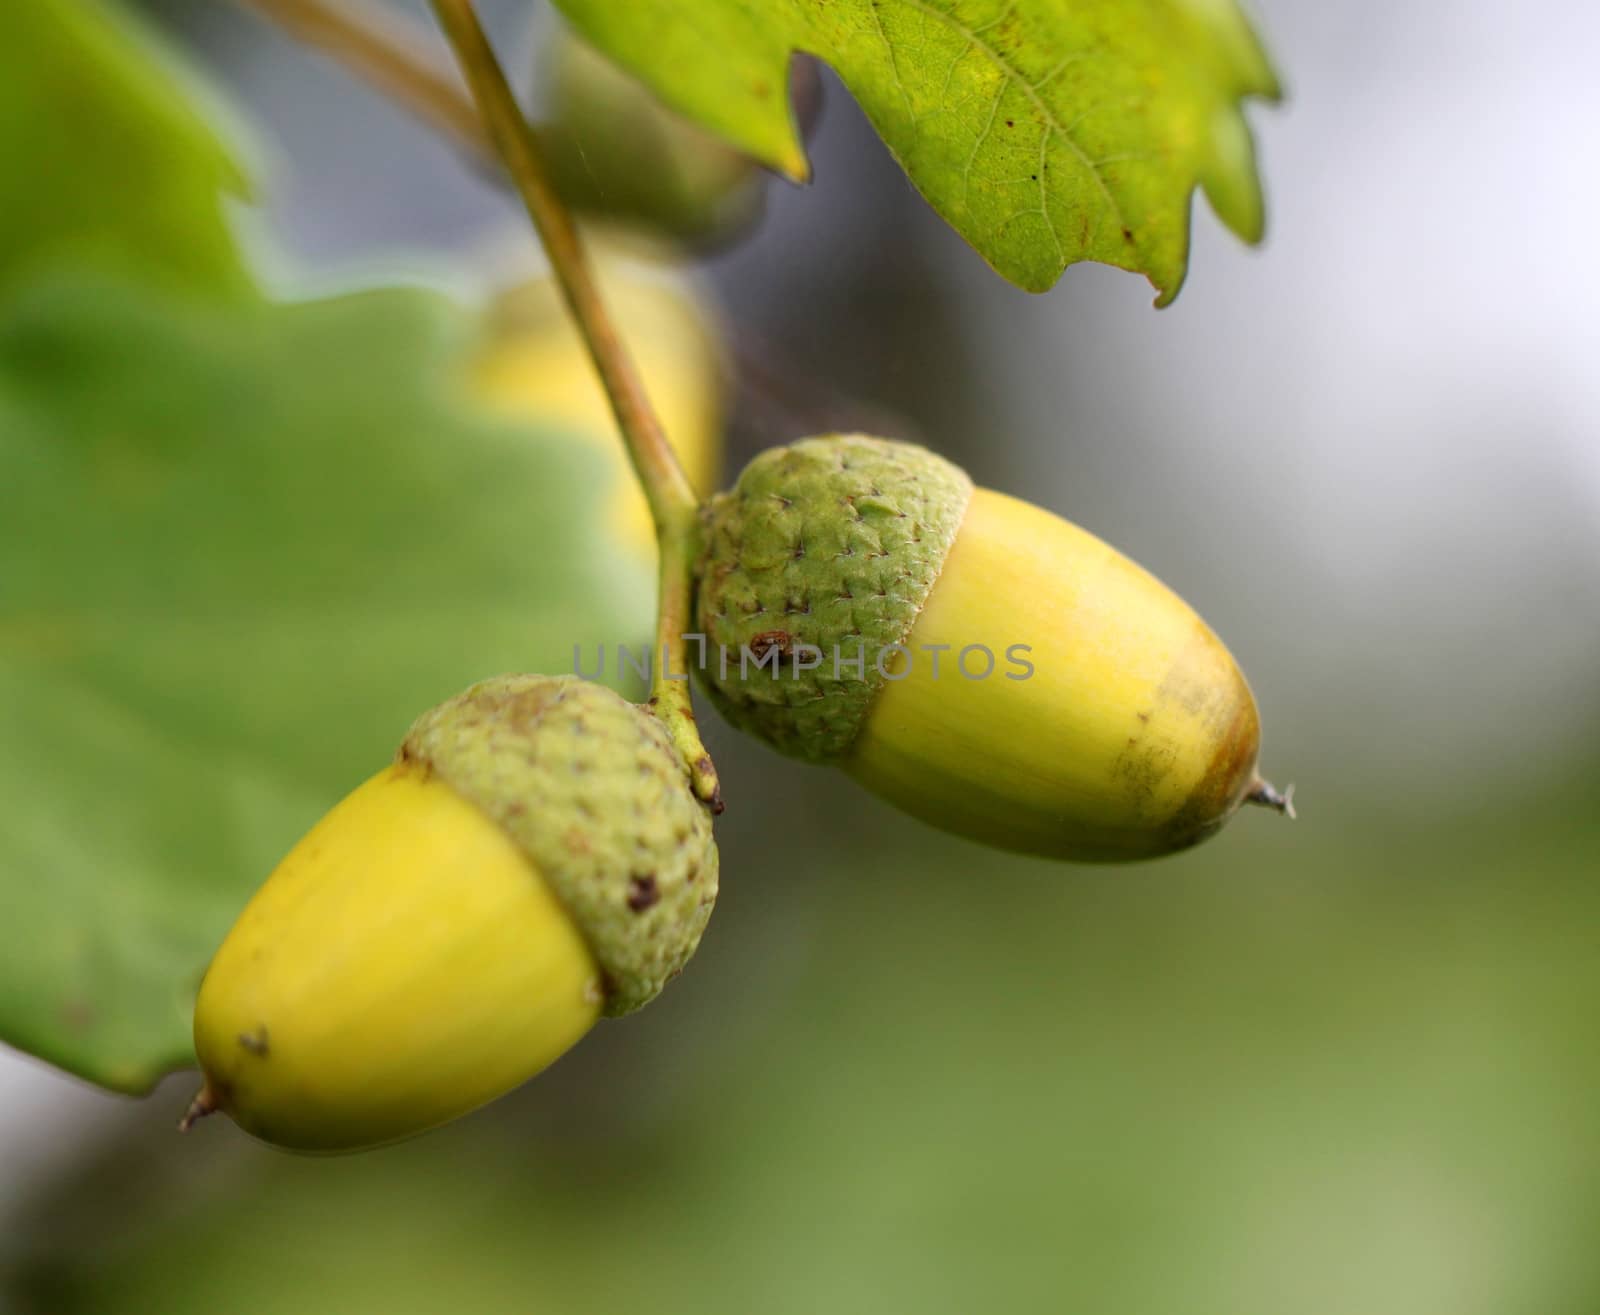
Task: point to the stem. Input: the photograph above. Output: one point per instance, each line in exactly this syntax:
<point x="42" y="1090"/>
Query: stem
<point x="390" y="52"/>
<point x="1268" y="795"/>
<point x="678" y="543"/>
<point x="673" y="504"/>
<point x="203" y="1105"/>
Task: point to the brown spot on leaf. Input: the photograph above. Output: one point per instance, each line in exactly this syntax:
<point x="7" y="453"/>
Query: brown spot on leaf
<point x="77" y="1015"/>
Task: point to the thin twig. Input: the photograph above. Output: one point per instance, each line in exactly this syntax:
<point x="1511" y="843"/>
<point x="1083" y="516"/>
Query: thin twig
<point x="397" y="56"/>
<point x="672" y="500"/>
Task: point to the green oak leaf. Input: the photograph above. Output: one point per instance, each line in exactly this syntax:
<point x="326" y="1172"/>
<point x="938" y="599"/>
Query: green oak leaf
<point x="1045" y="132"/>
<point x="241" y="547"/>
<point x="104" y="157"/>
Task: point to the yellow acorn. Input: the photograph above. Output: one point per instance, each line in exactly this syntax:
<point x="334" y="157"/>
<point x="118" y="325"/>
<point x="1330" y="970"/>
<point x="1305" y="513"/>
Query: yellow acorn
<point x="532" y="859"/>
<point x="982" y="663"/>
<point x="534" y="366"/>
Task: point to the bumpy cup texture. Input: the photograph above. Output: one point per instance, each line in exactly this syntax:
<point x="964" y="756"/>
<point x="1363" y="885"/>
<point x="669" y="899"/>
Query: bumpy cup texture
<point x="816" y="564"/>
<point x="590" y="787"/>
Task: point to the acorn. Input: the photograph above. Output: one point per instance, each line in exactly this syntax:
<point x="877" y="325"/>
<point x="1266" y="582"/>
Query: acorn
<point x="982" y="663"/>
<point x="532" y="365"/>
<point x="532" y="860"/>
<point x="616" y="152"/>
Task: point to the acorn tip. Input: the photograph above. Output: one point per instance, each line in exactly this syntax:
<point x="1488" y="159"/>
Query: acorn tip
<point x="1268" y="795"/>
<point x="204" y="1103"/>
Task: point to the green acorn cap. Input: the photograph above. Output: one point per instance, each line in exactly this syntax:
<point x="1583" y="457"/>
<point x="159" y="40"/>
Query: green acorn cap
<point x="833" y="543"/>
<point x="591" y="789"/>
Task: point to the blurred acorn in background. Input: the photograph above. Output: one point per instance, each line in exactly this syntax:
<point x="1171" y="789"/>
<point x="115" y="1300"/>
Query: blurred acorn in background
<point x="616" y="152"/>
<point x="532" y="364"/>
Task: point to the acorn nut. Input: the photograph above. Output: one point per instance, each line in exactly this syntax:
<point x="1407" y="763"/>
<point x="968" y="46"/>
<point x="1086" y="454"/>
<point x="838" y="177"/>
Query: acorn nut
<point x="533" y="858"/>
<point x="986" y="665"/>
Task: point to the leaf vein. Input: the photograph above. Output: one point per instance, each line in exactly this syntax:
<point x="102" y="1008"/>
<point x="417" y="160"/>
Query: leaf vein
<point x="894" y="59"/>
<point x="1052" y="123"/>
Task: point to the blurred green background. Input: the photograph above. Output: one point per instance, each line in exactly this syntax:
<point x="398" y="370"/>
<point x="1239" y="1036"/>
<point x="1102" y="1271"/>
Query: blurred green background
<point x="1341" y="1066"/>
